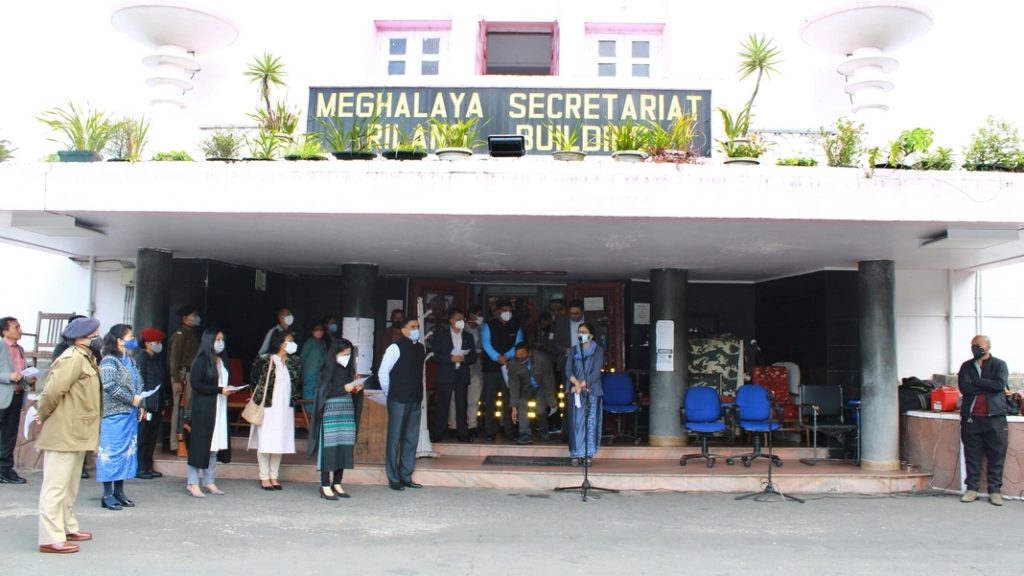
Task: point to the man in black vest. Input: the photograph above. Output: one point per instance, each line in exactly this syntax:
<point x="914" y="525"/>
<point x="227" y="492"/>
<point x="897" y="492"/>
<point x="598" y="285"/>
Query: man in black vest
<point x="983" y="427"/>
<point x="401" y="379"/>
<point x="498" y="337"/>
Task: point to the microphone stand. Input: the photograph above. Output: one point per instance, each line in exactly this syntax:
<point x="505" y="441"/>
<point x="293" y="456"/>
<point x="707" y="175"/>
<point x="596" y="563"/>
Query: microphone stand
<point x="586" y="486"/>
<point x="769" y="489"/>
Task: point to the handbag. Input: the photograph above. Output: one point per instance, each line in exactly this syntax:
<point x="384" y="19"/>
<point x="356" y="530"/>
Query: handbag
<point x="253" y="412"/>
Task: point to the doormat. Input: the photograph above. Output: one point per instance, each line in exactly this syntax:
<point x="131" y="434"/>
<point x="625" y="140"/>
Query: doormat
<point x="526" y="461"/>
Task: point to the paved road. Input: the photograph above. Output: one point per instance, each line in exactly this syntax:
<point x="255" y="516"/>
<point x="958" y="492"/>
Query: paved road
<point x="451" y="531"/>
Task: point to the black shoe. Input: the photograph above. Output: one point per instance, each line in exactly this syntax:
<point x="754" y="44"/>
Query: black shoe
<point x="473" y="432"/>
<point x="124" y="500"/>
<point x="396" y="485"/>
<point x="466" y="440"/>
<point x="277" y="486"/>
<point x="155" y="474"/>
<point x="325" y="496"/>
<point x="341" y="494"/>
<point x="411" y="484"/>
<point x="11" y="477"/>
<point x="268" y="487"/>
<point x="85" y="473"/>
<point x="110" y="503"/>
<point x="143" y="475"/>
<point x="524" y="440"/>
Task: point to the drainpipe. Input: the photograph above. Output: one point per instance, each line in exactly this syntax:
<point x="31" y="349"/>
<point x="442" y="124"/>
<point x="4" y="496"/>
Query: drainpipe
<point x="90" y="306"/>
<point x="951" y="321"/>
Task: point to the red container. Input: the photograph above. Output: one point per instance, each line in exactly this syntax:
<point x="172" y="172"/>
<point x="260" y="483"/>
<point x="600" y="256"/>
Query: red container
<point x="945" y="399"/>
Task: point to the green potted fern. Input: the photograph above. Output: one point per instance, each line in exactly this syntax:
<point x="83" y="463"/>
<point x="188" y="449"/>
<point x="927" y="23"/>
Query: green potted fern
<point x="85" y="132"/>
<point x="567" y="142"/>
<point x="626" y="140"/>
<point x="454" y="139"/>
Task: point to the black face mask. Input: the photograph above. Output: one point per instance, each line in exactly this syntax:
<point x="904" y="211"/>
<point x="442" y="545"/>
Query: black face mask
<point x="96" y="345"/>
<point x="978" y="351"/>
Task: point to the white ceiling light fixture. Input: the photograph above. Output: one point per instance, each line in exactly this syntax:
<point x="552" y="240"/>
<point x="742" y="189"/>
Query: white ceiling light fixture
<point x="177" y="31"/>
<point x="972" y="238"/>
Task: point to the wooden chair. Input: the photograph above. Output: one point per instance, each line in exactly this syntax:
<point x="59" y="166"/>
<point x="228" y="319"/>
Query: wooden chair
<point x="49" y="326"/>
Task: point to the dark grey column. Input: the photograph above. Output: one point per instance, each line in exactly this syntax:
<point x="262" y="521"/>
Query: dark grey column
<point x="668" y="302"/>
<point x="879" y="418"/>
<point x="153" y="271"/>
<point x="358" y="284"/>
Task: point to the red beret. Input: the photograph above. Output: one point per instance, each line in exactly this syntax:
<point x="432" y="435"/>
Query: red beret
<point x="152" y="335"/>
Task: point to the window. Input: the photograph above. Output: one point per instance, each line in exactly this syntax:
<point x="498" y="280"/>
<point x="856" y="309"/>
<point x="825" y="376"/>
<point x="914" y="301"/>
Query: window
<point x="413" y="48"/>
<point x="519" y="49"/>
<point x="624" y="50"/>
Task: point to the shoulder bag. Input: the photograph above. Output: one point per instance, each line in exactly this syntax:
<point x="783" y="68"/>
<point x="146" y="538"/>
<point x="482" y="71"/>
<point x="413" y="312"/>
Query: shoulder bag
<point x="253" y="412"/>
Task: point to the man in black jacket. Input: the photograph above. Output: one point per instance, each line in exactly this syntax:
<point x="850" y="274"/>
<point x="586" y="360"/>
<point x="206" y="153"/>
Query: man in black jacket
<point x="983" y="428"/>
<point x="454" y="351"/>
<point x="401" y="378"/>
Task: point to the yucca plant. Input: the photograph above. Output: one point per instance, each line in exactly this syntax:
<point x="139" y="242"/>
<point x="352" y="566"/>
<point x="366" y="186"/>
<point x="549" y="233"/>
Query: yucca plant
<point x="454" y="133"/>
<point x="757" y="56"/>
<point x="82" y="128"/>
<point x="266" y="71"/>
<point x="129" y="139"/>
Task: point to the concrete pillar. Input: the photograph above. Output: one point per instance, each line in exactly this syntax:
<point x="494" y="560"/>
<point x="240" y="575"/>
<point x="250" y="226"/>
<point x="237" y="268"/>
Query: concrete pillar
<point x="153" y="271"/>
<point x="668" y="302"/>
<point x="358" y="284"/>
<point x="879" y="418"/>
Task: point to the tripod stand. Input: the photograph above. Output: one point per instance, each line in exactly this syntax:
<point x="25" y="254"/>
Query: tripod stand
<point x="769" y="489"/>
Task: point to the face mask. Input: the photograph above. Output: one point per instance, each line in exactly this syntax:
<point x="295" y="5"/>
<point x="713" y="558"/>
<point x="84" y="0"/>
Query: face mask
<point x="505" y="316"/>
<point x="131" y="344"/>
<point x="477" y="321"/>
<point x="414" y="335"/>
<point x="584" y="338"/>
<point x="157" y="348"/>
<point x="288" y="320"/>
<point x="196" y="320"/>
<point x="96" y="345"/>
<point x="291" y="347"/>
<point x="218" y="346"/>
<point x="460" y="324"/>
<point x="343" y="360"/>
<point x="333" y="328"/>
<point x="978" y="351"/>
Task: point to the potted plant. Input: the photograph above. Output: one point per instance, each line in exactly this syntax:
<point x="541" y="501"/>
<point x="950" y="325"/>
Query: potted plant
<point x="995" y="146"/>
<point x="408" y="145"/>
<point x="357" y="142"/>
<point x="566" y="140"/>
<point x="454" y="139"/>
<point x="307" y="148"/>
<point x="6" y="152"/>
<point x="796" y="161"/>
<point x="843" y="146"/>
<point x="673" y="143"/>
<point x="222" y="146"/>
<point x="626" y="140"/>
<point x="274" y="117"/>
<point x="264" y="146"/>
<point x="172" y="156"/>
<point x="757" y="55"/>
<point x="910" y="142"/>
<point x="941" y="159"/>
<point x="85" y="132"/>
<point x="128" y="139"/>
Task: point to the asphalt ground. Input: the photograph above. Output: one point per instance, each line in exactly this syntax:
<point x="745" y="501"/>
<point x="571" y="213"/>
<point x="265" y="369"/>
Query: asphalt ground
<point x="476" y="531"/>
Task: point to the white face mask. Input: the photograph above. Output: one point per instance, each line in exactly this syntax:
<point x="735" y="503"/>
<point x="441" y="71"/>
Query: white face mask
<point x="290" y="347"/>
<point x="196" y="320"/>
<point x="505" y="316"/>
<point x="344" y="359"/>
<point x="288" y="320"/>
<point x="218" y="346"/>
<point x="584" y="338"/>
<point x="460" y="324"/>
<point x="157" y="348"/>
<point x="477" y="321"/>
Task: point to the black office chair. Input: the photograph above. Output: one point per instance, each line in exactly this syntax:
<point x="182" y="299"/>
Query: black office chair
<point x="824" y="405"/>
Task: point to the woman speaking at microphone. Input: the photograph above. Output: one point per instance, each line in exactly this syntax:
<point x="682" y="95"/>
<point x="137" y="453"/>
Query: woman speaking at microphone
<point x="584" y="393"/>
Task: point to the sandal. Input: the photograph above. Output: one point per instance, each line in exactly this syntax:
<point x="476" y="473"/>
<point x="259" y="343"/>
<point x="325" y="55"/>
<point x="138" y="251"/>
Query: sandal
<point x="574" y="462"/>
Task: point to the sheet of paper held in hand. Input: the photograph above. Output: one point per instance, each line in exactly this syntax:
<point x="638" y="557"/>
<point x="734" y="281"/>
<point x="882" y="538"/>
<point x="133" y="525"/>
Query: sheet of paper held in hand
<point x="376" y="396"/>
<point x="149" y="393"/>
<point x="234" y="389"/>
<point x="30" y="417"/>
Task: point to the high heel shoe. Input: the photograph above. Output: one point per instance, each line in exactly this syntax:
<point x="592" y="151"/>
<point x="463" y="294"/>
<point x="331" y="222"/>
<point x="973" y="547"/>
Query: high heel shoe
<point x="267" y="486"/>
<point x="110" y="503"/>
<point x="194" y="491"/>
<point x="325" y="496"/>
<point x="275" y="486"/>
<point x="337" y="489"/>
<point x="212" y="489"/>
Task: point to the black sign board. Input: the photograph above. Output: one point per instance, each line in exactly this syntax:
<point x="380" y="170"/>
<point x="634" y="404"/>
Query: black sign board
<point x="531" y="113"/>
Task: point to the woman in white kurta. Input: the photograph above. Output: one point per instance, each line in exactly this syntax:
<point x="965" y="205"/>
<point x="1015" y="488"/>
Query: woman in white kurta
<point x="278" y="375"/>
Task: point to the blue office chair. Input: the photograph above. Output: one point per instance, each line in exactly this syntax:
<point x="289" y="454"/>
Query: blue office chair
<point x="754" y="408"/>
<point x="620" y="400"/>
<point x="703" y="416"/>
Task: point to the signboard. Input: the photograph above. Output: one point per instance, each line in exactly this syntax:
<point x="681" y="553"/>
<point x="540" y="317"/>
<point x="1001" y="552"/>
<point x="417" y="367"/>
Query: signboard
<point x="665" y="344"/>
<point x="532" y="113"/>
